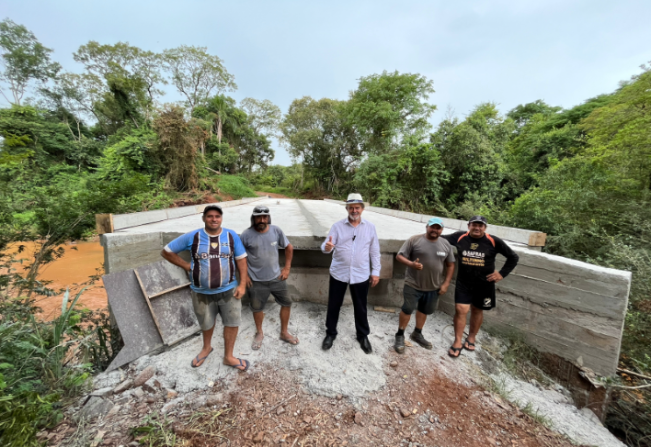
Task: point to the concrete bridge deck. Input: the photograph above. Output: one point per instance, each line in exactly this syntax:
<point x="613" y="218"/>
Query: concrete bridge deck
<point x="568" y="308"/>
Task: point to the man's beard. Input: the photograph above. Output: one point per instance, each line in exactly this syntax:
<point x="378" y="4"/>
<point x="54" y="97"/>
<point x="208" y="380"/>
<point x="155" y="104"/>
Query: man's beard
<point x="260" y="226"/>
<point x="354" y="217"/>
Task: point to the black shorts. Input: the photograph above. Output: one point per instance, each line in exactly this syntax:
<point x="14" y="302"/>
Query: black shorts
<point x="424" y="302"/>
<point x="260" y="291"/>
<point x="481" y="296"/>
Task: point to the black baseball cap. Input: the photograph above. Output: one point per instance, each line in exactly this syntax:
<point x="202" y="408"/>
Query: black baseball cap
<point x="213" y="208"/>
<point x="480" y="219"/>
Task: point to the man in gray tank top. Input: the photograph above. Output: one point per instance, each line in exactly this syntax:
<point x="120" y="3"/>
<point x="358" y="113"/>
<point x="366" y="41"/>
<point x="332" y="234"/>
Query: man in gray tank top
<point x="262" y="241"/>
<point x="430" y="266"/>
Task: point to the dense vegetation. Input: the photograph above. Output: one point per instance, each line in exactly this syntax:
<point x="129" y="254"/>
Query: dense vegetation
<point x="102" y="141"/>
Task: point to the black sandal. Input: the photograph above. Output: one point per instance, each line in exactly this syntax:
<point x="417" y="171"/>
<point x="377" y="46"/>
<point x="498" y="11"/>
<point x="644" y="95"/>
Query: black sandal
<point x="469" y="345"/>
<point x="457" y="350"/>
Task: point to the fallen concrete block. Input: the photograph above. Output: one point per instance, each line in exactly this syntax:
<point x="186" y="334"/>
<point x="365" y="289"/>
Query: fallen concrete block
<point x="133" y="317"/>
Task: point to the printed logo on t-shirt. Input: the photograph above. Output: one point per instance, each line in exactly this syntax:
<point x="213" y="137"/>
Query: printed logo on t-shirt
<point x="214" y="244"/>
<point x="487" y="302"/>
<point x="274" y="243"/>
<point x="441" y="253"/>
<point x="474" y="246"/>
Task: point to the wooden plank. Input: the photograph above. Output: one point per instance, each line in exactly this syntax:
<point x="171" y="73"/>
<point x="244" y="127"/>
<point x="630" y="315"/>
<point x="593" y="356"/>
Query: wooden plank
<point x="537" y="239"/>
<point x="104" y="223"/>
<point x="144" y="292"/>
<point x="156" y="295"/>
<point x="389" y="310"/>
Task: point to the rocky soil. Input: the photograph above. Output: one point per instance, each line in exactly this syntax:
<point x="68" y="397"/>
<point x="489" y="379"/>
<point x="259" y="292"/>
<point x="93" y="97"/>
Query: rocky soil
<point x="301" y="396"/>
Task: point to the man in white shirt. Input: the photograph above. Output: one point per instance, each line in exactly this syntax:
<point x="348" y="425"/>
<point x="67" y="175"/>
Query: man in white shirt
<point x="355" y="263"/>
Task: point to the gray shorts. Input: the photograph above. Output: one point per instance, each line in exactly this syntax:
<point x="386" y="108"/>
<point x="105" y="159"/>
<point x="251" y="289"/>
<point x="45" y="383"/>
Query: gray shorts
<point x="206" y="308"/>
<point x="260" y="291"/>
<point x="424" y="302"/>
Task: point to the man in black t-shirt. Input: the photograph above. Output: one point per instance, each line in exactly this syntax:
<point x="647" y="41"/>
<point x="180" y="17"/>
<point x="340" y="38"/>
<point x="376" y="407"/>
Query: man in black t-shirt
<point x="475" y="285"/>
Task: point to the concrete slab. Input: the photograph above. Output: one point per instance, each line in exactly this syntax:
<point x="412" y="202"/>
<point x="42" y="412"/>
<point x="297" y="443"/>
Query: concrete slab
<point x="175" y="315"/>
<point x="161" y="277"/>
<point x="168" y="289"/>
<point x="128" y="306"/>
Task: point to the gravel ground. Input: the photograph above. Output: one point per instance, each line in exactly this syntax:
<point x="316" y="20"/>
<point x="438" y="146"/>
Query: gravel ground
<point x="420" y="398"/>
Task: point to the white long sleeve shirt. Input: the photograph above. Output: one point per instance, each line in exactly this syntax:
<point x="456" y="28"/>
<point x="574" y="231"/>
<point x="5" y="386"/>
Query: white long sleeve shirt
<point x="357" y="251"/>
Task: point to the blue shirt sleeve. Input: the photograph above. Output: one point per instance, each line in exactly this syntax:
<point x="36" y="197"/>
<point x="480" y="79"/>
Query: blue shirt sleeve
<point x="238" y="250"/>
<point x="181" y="243"/>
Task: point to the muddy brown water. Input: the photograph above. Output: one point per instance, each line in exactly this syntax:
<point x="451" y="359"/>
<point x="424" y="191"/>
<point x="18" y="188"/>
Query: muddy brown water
<point x="80" y="261"/>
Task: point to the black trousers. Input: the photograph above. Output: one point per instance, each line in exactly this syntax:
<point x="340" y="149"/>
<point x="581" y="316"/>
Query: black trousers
<point x="358" y="292"/>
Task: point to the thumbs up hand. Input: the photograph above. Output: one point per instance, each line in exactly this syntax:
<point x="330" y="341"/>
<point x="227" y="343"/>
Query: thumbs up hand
<point x="329" y="246"/>
<point x="417" y="265"/>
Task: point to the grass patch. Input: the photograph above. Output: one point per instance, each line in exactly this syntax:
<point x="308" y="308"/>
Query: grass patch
<point x="234" y="186"/>
<point x="535" y="415"/>
<point x="200" y="428"/>
<point x="279" y="190"/>
<point x="156" y="431"/>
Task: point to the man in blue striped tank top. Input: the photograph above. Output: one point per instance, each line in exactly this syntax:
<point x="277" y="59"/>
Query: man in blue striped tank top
<point x="214" y="254"/>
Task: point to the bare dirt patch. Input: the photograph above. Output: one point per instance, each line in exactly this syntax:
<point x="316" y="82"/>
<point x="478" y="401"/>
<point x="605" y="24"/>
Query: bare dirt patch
<point x="270" y="407"/>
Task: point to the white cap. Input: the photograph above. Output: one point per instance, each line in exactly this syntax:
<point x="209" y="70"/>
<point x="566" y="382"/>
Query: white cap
<point x="354" y="198"/>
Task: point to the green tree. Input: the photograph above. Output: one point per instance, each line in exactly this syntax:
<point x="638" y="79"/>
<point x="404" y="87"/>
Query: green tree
<point x="124" y="60"/>
<point x="24" y="58"/>
<point x="388" y="107"/>
<point x="619" y="133"/>
<point x="196" y="74"/>
<point x="471" y="152"/>
<point x="264" y="116"/>
<point x="176" y="146"/>
<point x="318" y="133"/>
<point x="409" y="178"/>
<point x="523" y="113"/>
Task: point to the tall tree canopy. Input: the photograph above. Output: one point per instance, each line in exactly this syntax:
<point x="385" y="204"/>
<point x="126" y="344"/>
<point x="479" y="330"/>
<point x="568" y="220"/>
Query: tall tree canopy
<point x="24" y="59"/>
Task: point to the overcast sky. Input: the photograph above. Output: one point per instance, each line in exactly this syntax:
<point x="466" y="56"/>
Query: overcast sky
<point x="507" y="52"/>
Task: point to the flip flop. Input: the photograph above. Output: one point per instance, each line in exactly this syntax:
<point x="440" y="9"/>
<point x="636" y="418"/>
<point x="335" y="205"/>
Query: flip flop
<point x="246" y="365"/>
<point x="457" y="350"/>
<point x="468" y="346"/>
<point x="291" y="342"/>
<point x="197" y="360"/>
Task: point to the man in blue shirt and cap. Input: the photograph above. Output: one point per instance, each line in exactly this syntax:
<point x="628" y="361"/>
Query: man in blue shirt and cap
<point x="214" y="253"/>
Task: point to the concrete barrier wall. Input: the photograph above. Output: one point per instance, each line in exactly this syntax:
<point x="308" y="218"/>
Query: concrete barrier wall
<point x="528" y="237"/>
<point x="122" y="221"/>
<point x="568" y="308"/>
